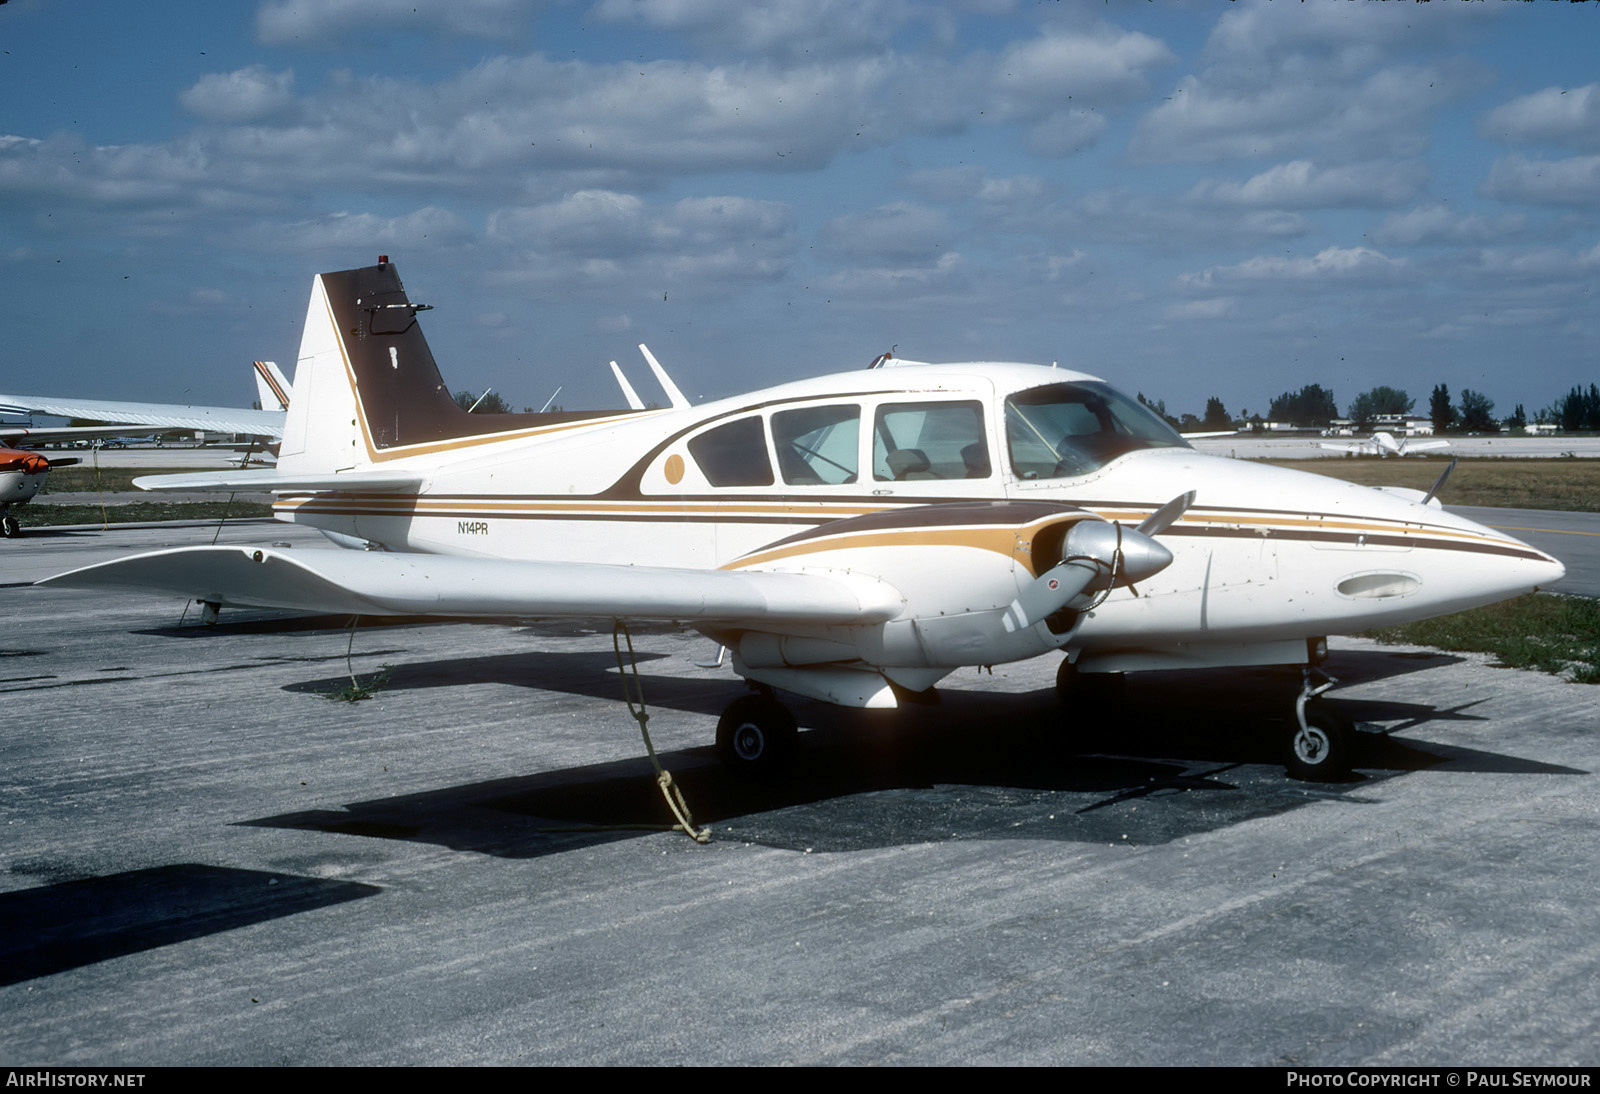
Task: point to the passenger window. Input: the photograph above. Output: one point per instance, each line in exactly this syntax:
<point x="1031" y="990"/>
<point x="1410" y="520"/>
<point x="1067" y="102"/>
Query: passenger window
<point x="734" y="454"/>
<point x="817" y="445"/>
<point x="913" y="441"/>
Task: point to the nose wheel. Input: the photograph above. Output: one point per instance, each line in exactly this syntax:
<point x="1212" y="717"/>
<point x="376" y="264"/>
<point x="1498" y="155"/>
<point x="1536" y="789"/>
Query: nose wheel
<point x="9" y="526"/>
<point x="756" y="737"/>
<point x="1323" y="743"/>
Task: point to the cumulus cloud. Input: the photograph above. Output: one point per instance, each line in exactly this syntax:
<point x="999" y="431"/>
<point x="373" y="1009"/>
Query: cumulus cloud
<point x="610" y="224"/>
<point x="1439" y="224"/>
<point x="1384" y="114"/>
<point x="600" y="235"/>
<point x="1061" y="83"/>
<point x="1573" y="181"/>
<point x="362" y="232"/>
<point x="1537" y="264"/>
<point x="900" y="230"/>
<point x="1558" y="115"/>
<point x="245" y="95"/>
<point x="1342" y="81"/>
<point x="1300" y="184"/>
<point x="1344" y="38"/>
<point x="1125" y="216"/>
<point x="1217" y="307"/>
<point x="317" y="22"/>
<point x="1332" y="263"/>
<point x="508" y="125"/>
<point x="791" y="28"/>
<point x="899" y="286"/>
<point x="1003" y="197"/>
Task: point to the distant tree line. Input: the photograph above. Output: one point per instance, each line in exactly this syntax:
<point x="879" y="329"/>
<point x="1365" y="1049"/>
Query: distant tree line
<point x="1577" y="409"/>
<point x="1314" y="407"/>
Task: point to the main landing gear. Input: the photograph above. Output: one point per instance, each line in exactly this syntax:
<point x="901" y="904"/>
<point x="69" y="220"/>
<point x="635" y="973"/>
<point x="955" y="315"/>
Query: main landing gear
<point x="9" y="526"/>
<point x="757" y="737"/>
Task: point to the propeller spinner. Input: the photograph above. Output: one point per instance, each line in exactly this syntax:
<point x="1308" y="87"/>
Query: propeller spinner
<point x="1097" y="554"/>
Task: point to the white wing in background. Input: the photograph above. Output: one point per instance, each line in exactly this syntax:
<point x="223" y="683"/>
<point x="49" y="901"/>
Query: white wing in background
<point x="217" y="419"/>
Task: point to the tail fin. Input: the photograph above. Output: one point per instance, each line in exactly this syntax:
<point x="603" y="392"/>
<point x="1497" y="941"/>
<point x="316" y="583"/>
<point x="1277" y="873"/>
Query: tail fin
<point x="366" y="388"/>
<point x="272" y="389"/>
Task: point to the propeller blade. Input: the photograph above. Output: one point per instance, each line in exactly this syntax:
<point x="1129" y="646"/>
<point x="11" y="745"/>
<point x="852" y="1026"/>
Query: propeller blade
<point x="1096" y="554"/>
<point x="1050" y="592"/>
<point x="1162" y="518"/>
<point x="1438" y="486"/>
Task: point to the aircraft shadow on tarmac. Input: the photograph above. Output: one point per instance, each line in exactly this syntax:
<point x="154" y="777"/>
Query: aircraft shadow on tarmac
<point x="1186" y="752"/>
<point x="79" y="922"/>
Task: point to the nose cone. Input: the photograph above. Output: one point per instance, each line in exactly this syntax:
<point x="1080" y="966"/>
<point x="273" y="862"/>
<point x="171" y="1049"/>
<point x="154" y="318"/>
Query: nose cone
<point x="1512" y="567"/>
<point x="1345" y="556"/>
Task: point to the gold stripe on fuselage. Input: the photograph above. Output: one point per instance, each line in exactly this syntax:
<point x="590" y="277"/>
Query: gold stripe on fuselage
<point x="732" y="511"/>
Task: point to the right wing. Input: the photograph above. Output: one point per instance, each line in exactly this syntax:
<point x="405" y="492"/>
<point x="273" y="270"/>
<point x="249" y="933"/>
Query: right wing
<point x="376" y="583"/>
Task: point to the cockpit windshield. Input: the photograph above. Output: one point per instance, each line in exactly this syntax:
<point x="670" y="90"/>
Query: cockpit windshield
<point x="1071" y="429"/>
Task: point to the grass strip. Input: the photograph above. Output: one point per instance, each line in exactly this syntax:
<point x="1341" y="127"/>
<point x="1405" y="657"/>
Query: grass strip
<point x="1572" y="485"/>
<point x="38" y="516"/>
<point x="1544" y="631"/>
<point x="88" y="480"/>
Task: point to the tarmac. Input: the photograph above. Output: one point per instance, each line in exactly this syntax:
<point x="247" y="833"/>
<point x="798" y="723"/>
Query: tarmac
<point x="206" y="860"/>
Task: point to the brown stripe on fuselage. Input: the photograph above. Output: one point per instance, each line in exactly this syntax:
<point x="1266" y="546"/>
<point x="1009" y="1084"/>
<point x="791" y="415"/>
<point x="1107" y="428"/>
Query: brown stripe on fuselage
<point x="823" y="516"/>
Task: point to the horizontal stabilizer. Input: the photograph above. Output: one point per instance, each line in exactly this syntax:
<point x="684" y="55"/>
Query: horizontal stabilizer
<point x="370" y="583"/>
<point x="270" y="481"/>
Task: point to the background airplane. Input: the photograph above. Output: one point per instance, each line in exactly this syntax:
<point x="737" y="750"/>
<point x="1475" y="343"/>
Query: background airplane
<point x="22" y="472"/>
<point x="214" y="419"/>
<point x="1384" y="445"/>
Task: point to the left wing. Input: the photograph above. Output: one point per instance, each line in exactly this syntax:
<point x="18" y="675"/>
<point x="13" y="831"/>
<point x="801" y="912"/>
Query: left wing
<point x="217" y="419"/>
<point x="373" y="583"/>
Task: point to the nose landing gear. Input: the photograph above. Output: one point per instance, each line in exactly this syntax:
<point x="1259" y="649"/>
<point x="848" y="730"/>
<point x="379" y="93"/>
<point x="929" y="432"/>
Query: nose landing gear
<point x="1323" y="742"/>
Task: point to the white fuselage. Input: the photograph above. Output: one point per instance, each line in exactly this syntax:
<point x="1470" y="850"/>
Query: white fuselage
<point x="1263" y="556"/>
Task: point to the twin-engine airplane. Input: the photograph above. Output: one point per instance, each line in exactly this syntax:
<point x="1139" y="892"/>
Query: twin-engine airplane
<point x="852" y="538"/>
<point x="1383" y="444"/>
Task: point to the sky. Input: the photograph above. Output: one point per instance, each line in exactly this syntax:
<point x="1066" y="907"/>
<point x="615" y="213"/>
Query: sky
<point x="1187" y="199"/>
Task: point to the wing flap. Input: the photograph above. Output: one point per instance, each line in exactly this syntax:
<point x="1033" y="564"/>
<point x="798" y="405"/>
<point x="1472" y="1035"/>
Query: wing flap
<point x="372" y="583"/>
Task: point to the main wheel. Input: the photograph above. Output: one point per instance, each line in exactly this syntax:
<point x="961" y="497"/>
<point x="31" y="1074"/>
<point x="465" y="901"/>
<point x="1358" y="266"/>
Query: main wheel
<point x="756" y="737"/>
<point x="1089" y="688"/>
<point x="9" y="526"/>
<point x="1323" y="751"/>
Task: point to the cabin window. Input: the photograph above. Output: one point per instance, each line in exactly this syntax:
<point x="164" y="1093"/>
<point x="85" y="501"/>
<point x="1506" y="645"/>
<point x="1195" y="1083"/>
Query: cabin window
<point x="734" y="454"/>
<point x="817" y="445"/>
<point x="1071" y="429"/>
<point x="943" y="440"/>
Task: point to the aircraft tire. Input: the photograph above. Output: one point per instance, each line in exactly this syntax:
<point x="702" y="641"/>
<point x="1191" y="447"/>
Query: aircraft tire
<point x="1075" y="688"/>
<point x="757" y="737"/>
<point x="1324" y="751"/>
<point x="9" y="526"/>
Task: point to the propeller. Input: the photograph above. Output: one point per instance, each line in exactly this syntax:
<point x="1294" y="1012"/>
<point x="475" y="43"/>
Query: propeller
<point x="1097" y="554"/>
<point x="1162" y="518"/>
<point x="1439" y="485"/>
